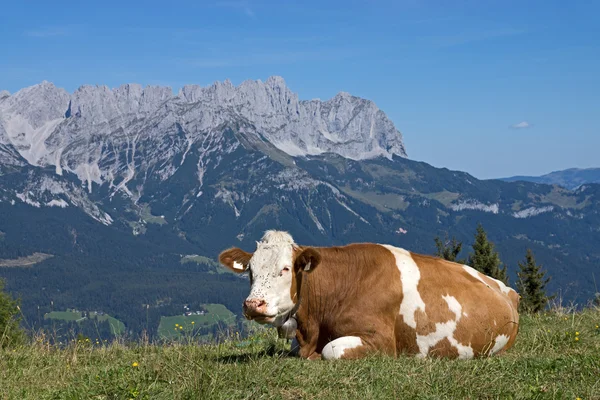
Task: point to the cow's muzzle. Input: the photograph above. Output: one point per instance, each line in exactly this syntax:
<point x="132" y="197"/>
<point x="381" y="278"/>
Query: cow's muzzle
<point x="256" y="309"/>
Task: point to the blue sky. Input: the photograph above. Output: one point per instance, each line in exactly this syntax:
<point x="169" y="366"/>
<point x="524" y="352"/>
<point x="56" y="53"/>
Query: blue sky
<point x="494" y="88"/>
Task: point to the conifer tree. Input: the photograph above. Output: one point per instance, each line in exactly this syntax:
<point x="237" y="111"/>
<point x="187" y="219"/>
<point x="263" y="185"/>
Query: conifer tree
<point x="532" y="285"/>
<point x="485" y="258"/>
<point x="449" y="249"/>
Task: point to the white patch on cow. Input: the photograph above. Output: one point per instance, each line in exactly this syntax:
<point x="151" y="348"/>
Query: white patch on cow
<point x="409" y="277"/>
<point x="500" y="343"/>
<point x="476" y="274"/>
<point x="269" y="282"/>
<point x="273" y="237"/>
<point x="237" y="265"/>
<point x="336" y="348"/>
<point x="445" y="330"/>
<point x="454" y="306"/>
<point x="503" y="288"/>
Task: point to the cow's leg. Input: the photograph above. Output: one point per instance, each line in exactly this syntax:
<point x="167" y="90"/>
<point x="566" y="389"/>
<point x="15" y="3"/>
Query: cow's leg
<point x="344" y="347"/>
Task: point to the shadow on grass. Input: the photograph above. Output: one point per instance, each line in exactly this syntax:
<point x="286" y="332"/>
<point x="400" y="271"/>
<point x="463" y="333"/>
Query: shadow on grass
<point x="269" y="352"/>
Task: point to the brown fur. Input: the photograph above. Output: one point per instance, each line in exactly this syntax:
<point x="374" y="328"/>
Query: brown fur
<point x="346" y="295"/>
<point x="483" y="305"/>
<point x="356" y="291"/>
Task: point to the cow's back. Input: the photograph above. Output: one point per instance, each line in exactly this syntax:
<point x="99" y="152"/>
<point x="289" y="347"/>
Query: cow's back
<point x="451" y="310"/>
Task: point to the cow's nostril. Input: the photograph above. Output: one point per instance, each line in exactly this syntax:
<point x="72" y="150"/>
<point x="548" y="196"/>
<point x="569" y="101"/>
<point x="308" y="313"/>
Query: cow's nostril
<point x="253" y="304"/>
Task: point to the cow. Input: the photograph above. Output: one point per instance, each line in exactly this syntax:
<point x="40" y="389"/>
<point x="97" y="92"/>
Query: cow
<point x="349" y="301"/>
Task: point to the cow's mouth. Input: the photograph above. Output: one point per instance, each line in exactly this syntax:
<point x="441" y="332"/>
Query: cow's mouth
<point x="264" y="319"/>
<point x="260" y="318"/>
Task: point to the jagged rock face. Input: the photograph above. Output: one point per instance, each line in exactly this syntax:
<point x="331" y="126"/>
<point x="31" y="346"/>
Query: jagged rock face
<point x="99" y="134"/>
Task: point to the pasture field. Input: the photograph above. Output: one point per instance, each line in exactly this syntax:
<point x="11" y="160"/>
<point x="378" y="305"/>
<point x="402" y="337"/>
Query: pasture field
<point x="557" y="356"/>
<point x="64" y="315"/>
<point x="178" y="325"/>
<point x="117" y="326"/>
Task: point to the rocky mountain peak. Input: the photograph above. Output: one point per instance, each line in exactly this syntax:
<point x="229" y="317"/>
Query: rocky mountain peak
<point x="79" y="132"/>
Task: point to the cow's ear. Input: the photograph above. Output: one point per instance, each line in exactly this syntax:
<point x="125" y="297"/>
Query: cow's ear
<point x="235" y="259"/>
<point x="307" y="260"/>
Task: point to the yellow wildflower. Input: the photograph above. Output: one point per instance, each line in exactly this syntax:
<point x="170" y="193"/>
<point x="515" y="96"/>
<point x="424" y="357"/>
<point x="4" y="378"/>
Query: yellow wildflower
<point x="135" y="365"/>
<point x="577" y="333"/>
<point x="181" y="327"/>
<point x="193" y="322"/>
<point x="576" y="339"/>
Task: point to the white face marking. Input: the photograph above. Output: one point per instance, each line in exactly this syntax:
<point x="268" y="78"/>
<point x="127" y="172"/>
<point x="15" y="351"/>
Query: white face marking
<point x="501" y="341"/>
<point x="336" y="348"/>
<point x="445" y="330"/>
<point x="237" y="265"/>
<point x="409" y="277"/>
<point x="271" y="267"/>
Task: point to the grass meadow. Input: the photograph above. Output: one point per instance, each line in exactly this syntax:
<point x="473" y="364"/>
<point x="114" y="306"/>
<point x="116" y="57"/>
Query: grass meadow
<point x="556" y="356"/>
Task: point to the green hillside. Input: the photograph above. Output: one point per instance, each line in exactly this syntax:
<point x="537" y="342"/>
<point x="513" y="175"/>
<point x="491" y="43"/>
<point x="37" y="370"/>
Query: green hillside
<point x="178" y="325"/>
<point x="117" y="327"/>
<point x="555" y="357"/>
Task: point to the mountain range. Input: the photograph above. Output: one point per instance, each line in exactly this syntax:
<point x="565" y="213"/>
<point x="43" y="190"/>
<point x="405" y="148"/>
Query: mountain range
<point x="120" y="199"/>
<point x="571" y="178"/>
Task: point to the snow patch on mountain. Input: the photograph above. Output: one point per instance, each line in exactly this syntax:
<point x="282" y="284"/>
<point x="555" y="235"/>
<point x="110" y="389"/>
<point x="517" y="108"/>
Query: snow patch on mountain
<point x="475" y="205"/>
<point x="24" y="197"/>
<point x="57" y="203"/>
<point x="532" y="212"/>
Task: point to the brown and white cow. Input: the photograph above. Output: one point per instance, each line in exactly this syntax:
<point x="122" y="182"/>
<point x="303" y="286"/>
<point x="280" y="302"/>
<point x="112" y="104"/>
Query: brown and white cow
<point x="345" y="302"/>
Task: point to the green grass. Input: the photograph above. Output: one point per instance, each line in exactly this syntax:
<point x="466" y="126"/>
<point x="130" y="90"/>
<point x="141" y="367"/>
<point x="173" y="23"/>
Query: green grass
<point x="381" y="201"/>
<point x="546" y="363"/>
<point x="117" y="326"/>
<point x="147" y="216"/>
<point x="179" y="325"/>
<point x="63" y="315"/>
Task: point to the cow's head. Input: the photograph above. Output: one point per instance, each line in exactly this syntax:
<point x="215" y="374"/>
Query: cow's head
<point x="275" y="270"/>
